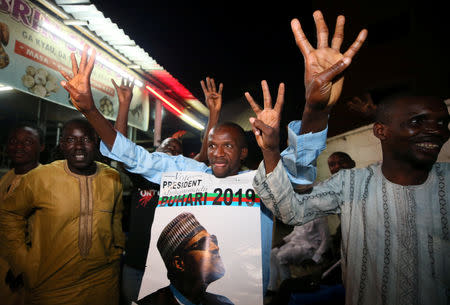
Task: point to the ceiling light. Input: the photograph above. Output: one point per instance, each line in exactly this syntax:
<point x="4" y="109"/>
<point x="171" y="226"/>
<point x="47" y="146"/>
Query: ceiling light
<point x="133" y="67"/>
<point x="5" y="88"/>
<point x="175" y="110"/>
<point x="77" y="44"/>
<point x="75" y="22"/>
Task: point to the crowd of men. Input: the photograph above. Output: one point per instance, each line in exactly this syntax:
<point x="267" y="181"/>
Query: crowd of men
<point x="61" y="234"/>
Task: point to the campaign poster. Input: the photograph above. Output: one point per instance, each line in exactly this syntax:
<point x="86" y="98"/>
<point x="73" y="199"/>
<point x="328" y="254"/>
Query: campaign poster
<point x="34" y="46"/>
<point x="206" y="233"/>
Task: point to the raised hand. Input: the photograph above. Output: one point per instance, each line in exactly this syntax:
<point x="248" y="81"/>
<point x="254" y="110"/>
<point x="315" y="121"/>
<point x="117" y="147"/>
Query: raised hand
<point x="213" y="98"/>
<point x="124" y="92"/>
<point x="267" y="125"/>
<point x="324" y="65"/>
<point x="125" y="95"/>
<point x="79" y="86"/>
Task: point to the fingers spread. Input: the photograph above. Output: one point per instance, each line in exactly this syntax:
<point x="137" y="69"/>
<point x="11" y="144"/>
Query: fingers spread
<point x="115" y="85"/>
<point x="354" y="48"/>
<point x="252" y="103"/>
<point x="208" y="84"/>
<point x="338" y="36"/>
<point x="300" y="38"/>
<point x="74" y="64"/>
<point x="280" y="99"/>
<point x="84" y="56"/>
<point x="322" y="30"/>
<point x="90" y="64"/>
<point x="220" y="88"/>
<point x="213" y="85"/>
<point x="202" y="83"/>
<point x="266" y="94"/>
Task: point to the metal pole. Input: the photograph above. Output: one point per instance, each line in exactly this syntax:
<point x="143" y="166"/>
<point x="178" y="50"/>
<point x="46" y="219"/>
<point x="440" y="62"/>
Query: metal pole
<point x="158" y="123"/>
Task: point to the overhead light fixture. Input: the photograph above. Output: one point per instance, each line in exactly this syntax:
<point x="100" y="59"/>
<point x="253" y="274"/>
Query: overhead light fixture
<point x="59" y="2"/>
<point x="78" y="45"/>
<point x="75" y="22"/>
<point x="175" y="110"/>
<point x="5" y="88"/>
<point x="133" y="67"/>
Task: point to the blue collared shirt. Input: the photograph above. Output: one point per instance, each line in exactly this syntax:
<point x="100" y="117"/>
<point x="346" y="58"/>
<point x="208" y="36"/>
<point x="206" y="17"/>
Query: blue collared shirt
<point x="299" y="155"/>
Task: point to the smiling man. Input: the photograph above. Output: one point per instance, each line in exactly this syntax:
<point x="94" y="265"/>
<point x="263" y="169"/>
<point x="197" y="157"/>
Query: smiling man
<point x="192" y="259"/>
<point x="395" y="213"/>
<point x="76" y="232"/>
<point x="225" y="146"/>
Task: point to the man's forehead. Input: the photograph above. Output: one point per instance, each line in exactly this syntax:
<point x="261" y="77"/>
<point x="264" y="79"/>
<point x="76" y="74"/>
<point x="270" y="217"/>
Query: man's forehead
<point x="77" y="130"/>
<point x="223" y="132"/>
<point x="25" y="129"/>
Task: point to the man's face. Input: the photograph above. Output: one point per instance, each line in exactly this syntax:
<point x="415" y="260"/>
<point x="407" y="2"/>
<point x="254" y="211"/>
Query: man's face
<point x="201" y="258"/>
<point x="78" y="145"/>
<point x="23" y="146"/>
<point x="417" y="131"/>
<point x="225" y="152"/>
<point x="337" y="162"/>
<point x="170" y="146"/>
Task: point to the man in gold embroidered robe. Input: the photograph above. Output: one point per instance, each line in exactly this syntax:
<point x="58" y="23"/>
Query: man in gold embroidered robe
<point x="76" y="237"/>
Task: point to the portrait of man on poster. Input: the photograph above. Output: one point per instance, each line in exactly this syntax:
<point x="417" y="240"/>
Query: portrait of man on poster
<point x="191" y="256"/>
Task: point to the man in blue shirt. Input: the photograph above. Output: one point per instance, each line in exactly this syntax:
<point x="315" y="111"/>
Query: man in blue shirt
<point x="226" y="145"/>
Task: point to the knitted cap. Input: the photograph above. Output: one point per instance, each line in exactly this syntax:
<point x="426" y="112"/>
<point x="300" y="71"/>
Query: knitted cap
<point x="176" y="234"/>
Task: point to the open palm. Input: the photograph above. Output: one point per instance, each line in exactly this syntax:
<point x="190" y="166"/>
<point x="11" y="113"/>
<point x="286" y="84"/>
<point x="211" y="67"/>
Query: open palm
<point x="321" y="90"/>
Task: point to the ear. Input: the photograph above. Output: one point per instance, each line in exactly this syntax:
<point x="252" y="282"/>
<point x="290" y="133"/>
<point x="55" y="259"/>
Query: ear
<point x="178" y="263"/>
<point x="244" y="153"/>
<point x="380" y="131"/>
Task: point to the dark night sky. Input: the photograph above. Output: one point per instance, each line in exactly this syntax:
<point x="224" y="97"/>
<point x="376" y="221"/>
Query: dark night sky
<point x="193" y="39"/>
<point x="241" y="45"/>
<point x="236" y="45"/>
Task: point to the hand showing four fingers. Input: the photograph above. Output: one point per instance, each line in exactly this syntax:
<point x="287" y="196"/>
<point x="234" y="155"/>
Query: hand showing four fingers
<point x="213" y="98"/>
<point x="79" y="85"/>
<point x="324" y="65"/>
<point x="266" y="126"/>
<point x="124" y="91"/>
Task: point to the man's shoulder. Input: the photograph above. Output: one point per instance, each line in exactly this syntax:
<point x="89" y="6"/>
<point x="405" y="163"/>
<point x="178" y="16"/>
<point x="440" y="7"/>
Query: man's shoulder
<point x="358" y="173"/>
<point x="103" y="167"/>
<point x="43" y="169"/>
<point x="162" y="296"/>
<point x="444" y="166"/>
<point x="7" y="175"/>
